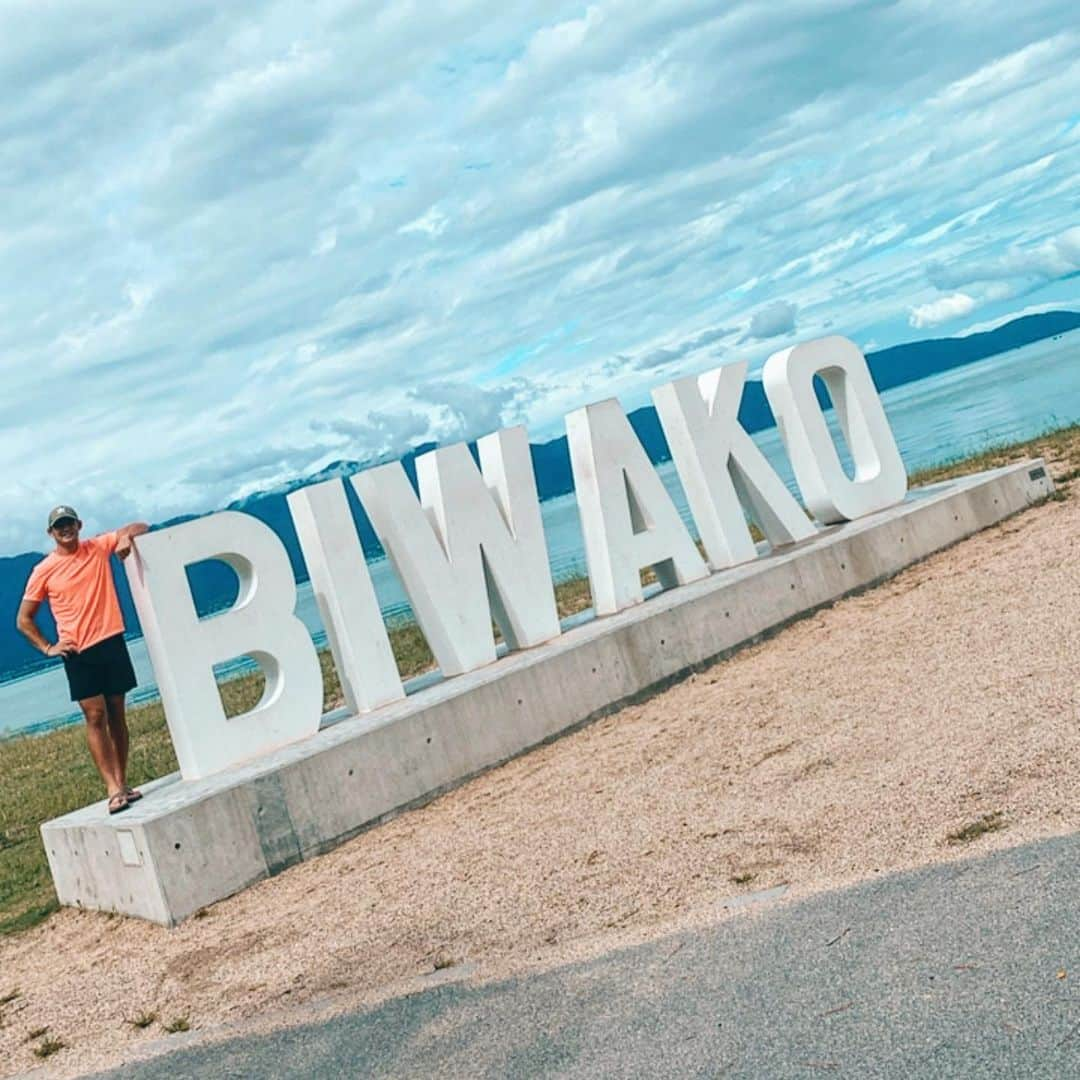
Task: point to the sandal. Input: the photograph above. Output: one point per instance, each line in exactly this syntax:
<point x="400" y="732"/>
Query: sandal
<point x="118" y="802"/>
<point x="133" y="794"/>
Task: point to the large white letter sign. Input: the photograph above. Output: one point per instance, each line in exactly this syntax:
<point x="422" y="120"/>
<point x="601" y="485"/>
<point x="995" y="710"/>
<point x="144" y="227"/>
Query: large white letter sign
<point x="829" y="493"/>
<point x="627" y="517"/>
<point x="470" y="549"/>
<point x="722" y="470"/>
<point x="184" y="648"/>
<point x="346" y="597"/>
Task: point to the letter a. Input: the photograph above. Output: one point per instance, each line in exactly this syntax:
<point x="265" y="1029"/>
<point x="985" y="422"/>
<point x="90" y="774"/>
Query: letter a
<point x="627" y="517"/>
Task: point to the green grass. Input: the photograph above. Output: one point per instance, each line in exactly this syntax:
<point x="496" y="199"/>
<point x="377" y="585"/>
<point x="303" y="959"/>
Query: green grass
<point x="48" y="1046"/>
<point x="44" y="776"/>
<point x="1060" y="445"/>
<point x="986" y="823"/>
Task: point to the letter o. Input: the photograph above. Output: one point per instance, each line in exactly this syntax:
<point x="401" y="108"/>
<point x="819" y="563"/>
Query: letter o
<point x="832" y="496"/>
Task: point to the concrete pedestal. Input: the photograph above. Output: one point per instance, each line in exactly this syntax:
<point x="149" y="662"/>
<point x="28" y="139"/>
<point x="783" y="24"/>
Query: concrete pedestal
<point x="186" y="845"/>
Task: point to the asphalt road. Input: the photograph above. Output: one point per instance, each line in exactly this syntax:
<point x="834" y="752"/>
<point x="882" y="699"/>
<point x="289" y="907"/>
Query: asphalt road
<point x="952" y="971"/>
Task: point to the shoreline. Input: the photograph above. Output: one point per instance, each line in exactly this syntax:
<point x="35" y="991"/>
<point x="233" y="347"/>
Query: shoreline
<point x="149" y="696"/>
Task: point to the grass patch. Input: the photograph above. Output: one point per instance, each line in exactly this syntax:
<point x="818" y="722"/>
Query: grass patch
<point x="986" y="823"/>
<point x="143" y="1020"/>
<point x="1059" y="446"/>
<point x="27" y="799"/>
<point x="45" y="776"/>
<point x="48" y="1047"/>
<point x="743" y="879"/>
<point x="177" y="1024"/>
<point x="442" y="961"/>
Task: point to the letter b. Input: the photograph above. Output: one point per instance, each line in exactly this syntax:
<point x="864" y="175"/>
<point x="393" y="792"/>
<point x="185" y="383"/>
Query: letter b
<point x="184" y="648"/>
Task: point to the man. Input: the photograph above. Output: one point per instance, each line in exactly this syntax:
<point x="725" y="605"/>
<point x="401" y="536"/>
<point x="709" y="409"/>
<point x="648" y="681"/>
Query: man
<point x="76" y="579"/>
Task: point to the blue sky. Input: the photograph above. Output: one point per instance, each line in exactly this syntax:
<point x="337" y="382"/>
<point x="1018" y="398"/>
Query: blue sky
<point x="237" y="243"/>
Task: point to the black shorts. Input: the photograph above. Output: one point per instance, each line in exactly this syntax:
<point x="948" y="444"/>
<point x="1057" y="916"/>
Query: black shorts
<point x="103" y="668"/>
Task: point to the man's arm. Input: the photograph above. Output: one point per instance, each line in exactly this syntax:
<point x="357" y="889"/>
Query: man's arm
<point x="124" y="536"/>
<point x="29" y="629"/>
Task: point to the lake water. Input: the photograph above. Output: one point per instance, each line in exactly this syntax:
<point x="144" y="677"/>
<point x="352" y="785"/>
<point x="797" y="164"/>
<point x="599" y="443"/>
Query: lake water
<point x="1004" y="398"/>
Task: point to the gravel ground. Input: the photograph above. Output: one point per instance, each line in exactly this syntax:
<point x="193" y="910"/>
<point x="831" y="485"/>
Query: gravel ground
<point x="932" y="718"/>
<point x="959" y="971"/>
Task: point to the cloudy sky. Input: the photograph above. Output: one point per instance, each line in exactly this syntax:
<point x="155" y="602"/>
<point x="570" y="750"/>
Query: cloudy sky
<point x="238" y="242"/>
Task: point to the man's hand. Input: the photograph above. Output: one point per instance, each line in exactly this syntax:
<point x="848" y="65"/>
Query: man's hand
<point x="125" y="535"/>
<point x="64" y="647"/>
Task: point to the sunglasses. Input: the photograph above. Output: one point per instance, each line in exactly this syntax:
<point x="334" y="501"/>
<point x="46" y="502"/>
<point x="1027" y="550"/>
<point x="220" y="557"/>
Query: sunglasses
<point x="64" y="523"/>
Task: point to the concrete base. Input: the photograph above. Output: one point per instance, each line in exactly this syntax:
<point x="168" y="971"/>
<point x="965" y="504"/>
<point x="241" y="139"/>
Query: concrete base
<point x="186" y="845"/>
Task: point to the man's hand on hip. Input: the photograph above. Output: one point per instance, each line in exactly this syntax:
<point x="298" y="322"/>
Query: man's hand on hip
<point x="64" y="647"/>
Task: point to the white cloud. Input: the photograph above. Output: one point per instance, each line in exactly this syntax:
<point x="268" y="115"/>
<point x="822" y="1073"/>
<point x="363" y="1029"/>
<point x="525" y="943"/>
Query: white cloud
<point x="941" y="310"/>
<point x="1055" y="257"/>
<point x="772" y="320"/>
<point x="1006" y="73"/>
<point x="433" y="223"/>
<point x="103" y="331"/>
<point x="247" y="238"/>
<point x="326" y="242"/>
<point x="380" y="435"/>
<point x="464" y="411"/>
<point x="1001" y="320"/>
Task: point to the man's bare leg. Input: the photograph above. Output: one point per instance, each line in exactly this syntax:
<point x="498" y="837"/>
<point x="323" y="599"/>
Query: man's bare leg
<point x="118" y="729"/>
<point x="102" y="747"/>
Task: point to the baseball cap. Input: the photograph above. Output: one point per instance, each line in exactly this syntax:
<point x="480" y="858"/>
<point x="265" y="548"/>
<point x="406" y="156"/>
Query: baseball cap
<point x="58" y="513"/>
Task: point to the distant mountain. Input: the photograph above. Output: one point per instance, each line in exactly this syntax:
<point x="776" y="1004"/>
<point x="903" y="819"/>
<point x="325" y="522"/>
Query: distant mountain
<point x="918" y="359"/>
<point x="214" y="584"/>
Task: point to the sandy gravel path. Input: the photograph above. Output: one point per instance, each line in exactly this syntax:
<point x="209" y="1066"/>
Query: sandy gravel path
<point x="852" y="744"/>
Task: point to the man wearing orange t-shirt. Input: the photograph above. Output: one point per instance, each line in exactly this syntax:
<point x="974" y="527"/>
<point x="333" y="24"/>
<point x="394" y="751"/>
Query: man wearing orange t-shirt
<point x="76" y="579"/>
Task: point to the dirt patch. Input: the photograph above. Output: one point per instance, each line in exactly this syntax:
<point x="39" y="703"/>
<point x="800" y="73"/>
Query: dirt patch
<point x="863" y="740"/>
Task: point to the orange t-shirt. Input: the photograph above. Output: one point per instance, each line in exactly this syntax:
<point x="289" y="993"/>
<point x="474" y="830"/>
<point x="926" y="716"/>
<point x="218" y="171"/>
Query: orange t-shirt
<point x="80" y="591"/>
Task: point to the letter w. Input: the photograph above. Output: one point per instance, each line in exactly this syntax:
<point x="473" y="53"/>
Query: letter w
<point x="470" y="549"/>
